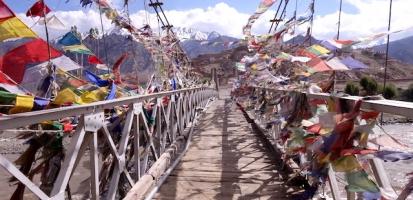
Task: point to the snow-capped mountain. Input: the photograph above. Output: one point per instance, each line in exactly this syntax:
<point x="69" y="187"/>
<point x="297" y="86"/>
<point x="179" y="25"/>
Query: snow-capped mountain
<point x="213" y="35"/>
<point x="190" y="34"/>
<point x="196" y="42"/>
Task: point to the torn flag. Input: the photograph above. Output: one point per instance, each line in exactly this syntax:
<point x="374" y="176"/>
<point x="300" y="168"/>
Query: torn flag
<point x="116" y="68"/>
<point x="39" y="9"/>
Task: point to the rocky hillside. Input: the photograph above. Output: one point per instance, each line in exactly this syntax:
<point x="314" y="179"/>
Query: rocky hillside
<point x="401" y="49"/>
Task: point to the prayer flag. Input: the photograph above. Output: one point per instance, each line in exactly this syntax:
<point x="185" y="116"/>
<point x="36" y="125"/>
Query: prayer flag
<point x="318" y="64"/>
<point x="94" y="60"/>
<point x="69" y="39"/>
<point x="39" y="9"/>
<point x="346" y="164"/>
<point x="358" y="181"/>
<point x="5" y="12"/>
<point x="53" y="22"/>
<point x="14" y="28"/>
<point x="15" y="61"/>
<point x="23" y="104"/>
<point x="352" y="63"/>
<point x="96" y="79"/>
<point x="67" y="96"/>
<point x="393" y="156"/>
<point x="318" y="50"/>
<point x="9" y="85"/>
<point x="7" y="97"/>
<point x="78" y="49"/>
<point x="337" y="65"/>
<point x="112" y="92"/>
<point x="116" y="68"/>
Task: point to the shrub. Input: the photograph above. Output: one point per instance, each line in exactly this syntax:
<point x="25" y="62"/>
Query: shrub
<point x="389" y="92"/>
<point x="407" y="95"/>
<point x="369" y="85"/>
<point x="352" y="89"/>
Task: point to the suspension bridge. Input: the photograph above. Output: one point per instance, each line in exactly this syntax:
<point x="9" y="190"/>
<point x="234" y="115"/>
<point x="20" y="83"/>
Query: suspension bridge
<point x="268" y="137"/>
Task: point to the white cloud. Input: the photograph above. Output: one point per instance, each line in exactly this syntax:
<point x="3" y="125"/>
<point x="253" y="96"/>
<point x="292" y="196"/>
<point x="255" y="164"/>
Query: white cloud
<point x="83" y="19"/>
<point x="370" y="18"/>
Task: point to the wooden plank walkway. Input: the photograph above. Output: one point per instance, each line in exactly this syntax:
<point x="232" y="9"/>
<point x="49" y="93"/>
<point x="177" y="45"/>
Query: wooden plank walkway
<point x="226" y="160"/>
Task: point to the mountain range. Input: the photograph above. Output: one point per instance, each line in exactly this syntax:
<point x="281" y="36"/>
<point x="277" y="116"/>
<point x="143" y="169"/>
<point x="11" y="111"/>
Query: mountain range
<point x="211" y="48"/>
<point x="196" y="43"/>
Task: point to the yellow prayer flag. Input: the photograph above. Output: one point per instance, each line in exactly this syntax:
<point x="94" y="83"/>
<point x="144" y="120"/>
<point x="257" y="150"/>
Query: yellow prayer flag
<point x="95" y="95"/>
<point x="321" y="49"/>
<point x="254" y="67"/>
<point x="346" y="164"/>
<point x="67" y="96"/>
<point x="14" y="28"/>
<point x="23" y="104"/>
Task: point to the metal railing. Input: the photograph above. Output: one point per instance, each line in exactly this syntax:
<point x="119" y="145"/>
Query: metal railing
<point x="130" y="150"/>
<point x="284" y="108"/>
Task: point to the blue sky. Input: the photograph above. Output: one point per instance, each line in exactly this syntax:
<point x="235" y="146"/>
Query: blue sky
<point x="246" y="6"/>
<point x="360" y="17"/>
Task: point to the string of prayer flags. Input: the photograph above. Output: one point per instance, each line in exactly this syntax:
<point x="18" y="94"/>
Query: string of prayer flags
<point x="262" y="8"/>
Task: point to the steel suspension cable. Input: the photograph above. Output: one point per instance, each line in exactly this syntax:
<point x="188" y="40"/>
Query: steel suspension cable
<point x="275" y="17"/>
<point x="103" y="37"/>
<point x="283" y="14"/>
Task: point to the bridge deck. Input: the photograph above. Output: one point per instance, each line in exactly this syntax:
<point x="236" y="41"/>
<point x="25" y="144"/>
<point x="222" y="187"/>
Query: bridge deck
<point x="226" y="160"/>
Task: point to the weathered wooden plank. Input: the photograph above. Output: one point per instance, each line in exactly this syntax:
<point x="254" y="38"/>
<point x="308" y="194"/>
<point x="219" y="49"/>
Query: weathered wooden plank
<point x="225" y="161"/>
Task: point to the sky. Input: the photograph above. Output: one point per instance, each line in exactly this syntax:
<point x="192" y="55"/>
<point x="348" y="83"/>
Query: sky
<point x="360" y="18"/>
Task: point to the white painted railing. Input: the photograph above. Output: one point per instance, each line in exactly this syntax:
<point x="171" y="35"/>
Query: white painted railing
<point x="384" y="106"/>
<point x="136" y="156"/>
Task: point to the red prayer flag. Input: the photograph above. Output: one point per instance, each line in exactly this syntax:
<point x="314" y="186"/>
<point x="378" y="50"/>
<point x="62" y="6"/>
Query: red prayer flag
<point x="344" y="42"/>
<point x="39" y="9"/>
<point x="116" y="68"/>
<point x="5" y="79"/>
<point x="305" y="53"/>
<point x="5" y="11"/>
<point x="94" y="60"/>
<point x="318" y="64"/>
<point x="16" y="60"/>
<point x="369" y="115"/>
